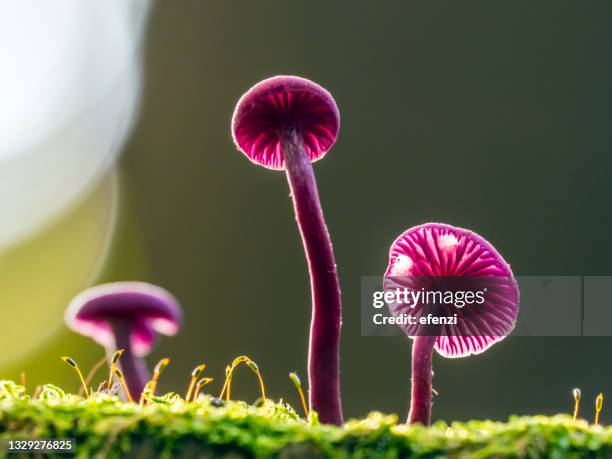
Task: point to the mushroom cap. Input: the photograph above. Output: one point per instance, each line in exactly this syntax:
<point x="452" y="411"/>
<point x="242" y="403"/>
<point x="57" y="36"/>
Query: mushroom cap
<point x="434" y="255"/>
<point x="280" y="103"/>
<point x="146" y="307"/>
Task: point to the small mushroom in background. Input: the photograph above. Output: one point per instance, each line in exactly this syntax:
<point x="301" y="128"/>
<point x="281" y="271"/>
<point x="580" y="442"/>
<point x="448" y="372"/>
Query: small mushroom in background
<point x="437" y="257"/>
<point x="286" y="123"/>
<point x="126" y="315"/>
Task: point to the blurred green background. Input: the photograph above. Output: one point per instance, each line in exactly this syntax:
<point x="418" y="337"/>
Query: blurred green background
<point x="494" y="116"/>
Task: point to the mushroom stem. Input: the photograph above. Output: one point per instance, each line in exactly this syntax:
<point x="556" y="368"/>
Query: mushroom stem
<point x="420" y="403"/>
<point x="323" y="354"/>
<point x="134" y="368"/>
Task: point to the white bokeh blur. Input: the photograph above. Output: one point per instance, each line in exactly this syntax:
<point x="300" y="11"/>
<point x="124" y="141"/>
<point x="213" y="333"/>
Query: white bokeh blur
<point x="69" y="87"/>
<point x="70" y="73"/>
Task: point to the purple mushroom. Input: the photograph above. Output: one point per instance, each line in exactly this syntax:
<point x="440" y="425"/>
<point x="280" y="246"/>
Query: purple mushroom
<point x="286" y="123"/>
<point x="126" y="315"/>
<point x="441" y="258"/>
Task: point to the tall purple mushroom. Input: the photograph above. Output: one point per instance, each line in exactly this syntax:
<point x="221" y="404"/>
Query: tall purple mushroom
<point x="286" y="123"/>
<point x="437" y="257"/>
<point x="126" y="315"/>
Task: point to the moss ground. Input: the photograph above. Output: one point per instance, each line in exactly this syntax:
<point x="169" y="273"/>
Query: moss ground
<point x="103" y="426"/>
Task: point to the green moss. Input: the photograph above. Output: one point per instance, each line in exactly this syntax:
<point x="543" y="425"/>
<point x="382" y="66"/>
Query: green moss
<point x="170" y="427"/>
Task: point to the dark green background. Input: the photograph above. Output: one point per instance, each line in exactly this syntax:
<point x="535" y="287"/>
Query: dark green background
<point x="494" y="116"/>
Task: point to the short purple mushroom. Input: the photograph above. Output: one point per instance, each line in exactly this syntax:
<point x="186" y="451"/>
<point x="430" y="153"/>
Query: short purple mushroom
<point x="126" y="315"/>
<point x="286" y="123"/>
<point x="441" y="258"/>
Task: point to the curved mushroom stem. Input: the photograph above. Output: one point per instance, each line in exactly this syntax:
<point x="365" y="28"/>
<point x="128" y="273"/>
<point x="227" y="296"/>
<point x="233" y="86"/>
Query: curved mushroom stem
<point x="323" y="354"/>
<point x="134" y="368"/>
<point x="420" y="403"/>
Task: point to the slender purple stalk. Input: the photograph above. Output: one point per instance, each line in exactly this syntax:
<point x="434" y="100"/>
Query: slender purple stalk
<point x="286" y="123"/>
<point x="420" y="404"/>
<point x="324" y="351"/>
<point x="134" y="368"/>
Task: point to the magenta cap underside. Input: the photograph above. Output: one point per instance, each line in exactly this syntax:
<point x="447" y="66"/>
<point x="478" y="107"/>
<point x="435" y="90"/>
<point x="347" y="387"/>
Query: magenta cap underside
<point x="148" y="308"/>
<point x="437" y="250"/>
<point x="280" y="103"/>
